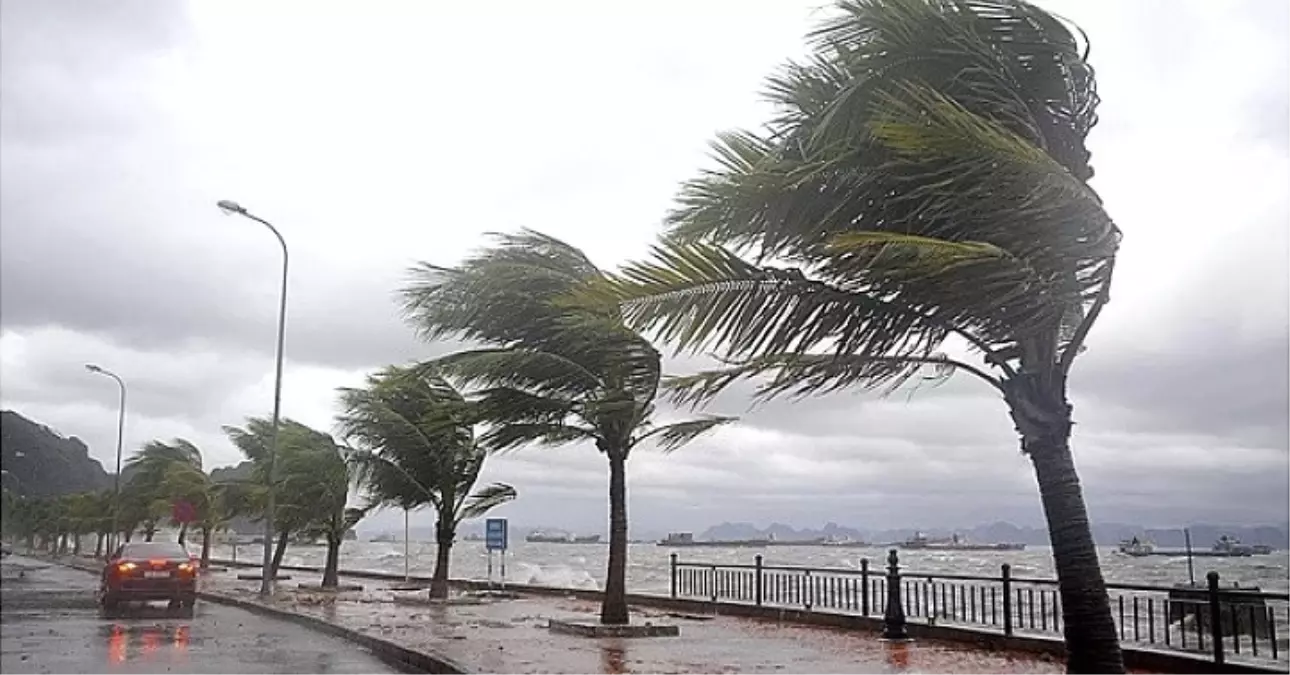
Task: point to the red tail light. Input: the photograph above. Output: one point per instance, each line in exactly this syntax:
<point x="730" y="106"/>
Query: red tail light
<point x="126" y="567"/>
<point x="157" y="563"/>
<point x="186" y="568"/>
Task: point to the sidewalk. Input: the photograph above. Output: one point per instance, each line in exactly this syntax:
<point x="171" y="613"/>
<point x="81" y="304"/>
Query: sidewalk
<point x="511" y="636"/>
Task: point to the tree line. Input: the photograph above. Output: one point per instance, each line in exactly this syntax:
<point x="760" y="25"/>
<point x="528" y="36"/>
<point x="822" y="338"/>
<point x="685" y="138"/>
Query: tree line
<point x="414" y="446"/>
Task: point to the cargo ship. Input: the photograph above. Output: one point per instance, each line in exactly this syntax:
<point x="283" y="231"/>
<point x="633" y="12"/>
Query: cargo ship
<point x="953" y="543"/>
<point x="1224" y="547"/>
<point x="687" y="540"/>
<point x="544" y="538"/>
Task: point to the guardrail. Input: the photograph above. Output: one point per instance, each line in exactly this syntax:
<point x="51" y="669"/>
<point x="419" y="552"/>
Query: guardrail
<point x="1211" y="620"/>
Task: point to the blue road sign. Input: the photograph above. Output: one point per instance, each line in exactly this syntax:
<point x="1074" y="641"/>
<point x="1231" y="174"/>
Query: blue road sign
<point x="495" y="534"/>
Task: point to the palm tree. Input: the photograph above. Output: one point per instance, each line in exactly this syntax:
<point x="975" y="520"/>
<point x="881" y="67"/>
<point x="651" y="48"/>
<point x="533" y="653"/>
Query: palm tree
<point x="314" y="471"/>
<point x="554" y="369"/>
<point x="296" y="512"/>
<point x="137" y="511"/>
<point x="924" y="183"/>
<point x="417" y="446"/>
<point x="210" y="501"/>
<point x="153" y="463"/>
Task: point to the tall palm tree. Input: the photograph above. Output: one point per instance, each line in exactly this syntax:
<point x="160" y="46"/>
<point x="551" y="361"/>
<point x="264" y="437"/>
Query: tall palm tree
<point x="416" y="445"/>
<point x="555" y="368"/>
<point x="924" y="182"/>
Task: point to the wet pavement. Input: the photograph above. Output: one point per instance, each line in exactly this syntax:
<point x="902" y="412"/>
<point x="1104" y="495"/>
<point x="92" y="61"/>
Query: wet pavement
<point x="511" y="636"/>
<point x="50" y="623"/>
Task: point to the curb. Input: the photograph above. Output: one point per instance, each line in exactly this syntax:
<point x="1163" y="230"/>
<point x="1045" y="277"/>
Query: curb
<point x="406" y="660"/>
<point x="402" y="658"/>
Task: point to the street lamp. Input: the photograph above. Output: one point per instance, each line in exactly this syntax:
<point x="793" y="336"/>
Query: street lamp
<point x="120" y="438"/>
<point x="266" y="582"/>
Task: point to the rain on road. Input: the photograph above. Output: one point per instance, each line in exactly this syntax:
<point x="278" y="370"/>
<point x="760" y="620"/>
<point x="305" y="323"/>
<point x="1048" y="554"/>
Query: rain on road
<point x="50" y="623"/>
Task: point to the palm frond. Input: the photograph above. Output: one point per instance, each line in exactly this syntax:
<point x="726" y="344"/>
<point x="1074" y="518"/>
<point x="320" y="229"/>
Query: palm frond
<point x="949" y="124"/>
<point x="485" y="500"/>
<point x="541" y="372"/>
<point x="671" y="437"/>
<point x="513" y="435"/>
<point x="801" y="375"/>
<point x="700" y="296"/>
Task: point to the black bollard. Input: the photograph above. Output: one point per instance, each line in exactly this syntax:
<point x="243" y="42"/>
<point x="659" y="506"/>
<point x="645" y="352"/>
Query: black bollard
<point x="893" y="619"/>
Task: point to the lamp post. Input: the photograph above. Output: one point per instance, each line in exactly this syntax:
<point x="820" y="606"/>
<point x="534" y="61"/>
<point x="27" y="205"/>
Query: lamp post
<point x="120" y="439"/>
<point x="266" y="578"/>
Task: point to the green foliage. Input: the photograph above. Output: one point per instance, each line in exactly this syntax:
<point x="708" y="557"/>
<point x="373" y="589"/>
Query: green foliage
<point x="925" y="177"/>
<point x="558" y="365"/>
<point x="311" y="478"/>
<point x="416" y="444"/>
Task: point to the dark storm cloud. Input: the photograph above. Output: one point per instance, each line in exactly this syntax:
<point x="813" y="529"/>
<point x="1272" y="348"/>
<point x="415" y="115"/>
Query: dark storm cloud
<point x="102" y="234"/>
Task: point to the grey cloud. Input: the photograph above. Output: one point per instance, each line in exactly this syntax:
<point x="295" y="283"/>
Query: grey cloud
<point x="112" y="252"/>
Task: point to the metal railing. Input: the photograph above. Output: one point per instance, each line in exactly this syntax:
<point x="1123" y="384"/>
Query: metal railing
<point x="1218" y="622"/>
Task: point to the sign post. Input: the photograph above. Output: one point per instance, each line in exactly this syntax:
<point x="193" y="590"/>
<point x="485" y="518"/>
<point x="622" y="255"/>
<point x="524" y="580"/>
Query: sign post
<point x="495" y="540"/>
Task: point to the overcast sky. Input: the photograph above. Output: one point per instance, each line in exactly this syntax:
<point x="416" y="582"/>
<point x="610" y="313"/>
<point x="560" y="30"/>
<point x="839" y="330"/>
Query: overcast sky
<point x="376" y="134"/>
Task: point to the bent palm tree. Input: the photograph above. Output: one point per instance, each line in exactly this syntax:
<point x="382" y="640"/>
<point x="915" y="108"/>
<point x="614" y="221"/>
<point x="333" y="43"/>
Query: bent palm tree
<point x="294" y="510"/>
<point x="417" y="446"/>
<point x="924" y="182"/>
<point x="555" y="369"/>
<point x="315" y="472"/>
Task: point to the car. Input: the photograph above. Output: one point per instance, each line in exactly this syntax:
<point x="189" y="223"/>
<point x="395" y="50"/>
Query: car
<point x="146" y="571"/>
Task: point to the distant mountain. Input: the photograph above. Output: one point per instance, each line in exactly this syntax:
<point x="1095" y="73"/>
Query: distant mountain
<point x="41" y="462"/>
<point x="1202" y="535"/>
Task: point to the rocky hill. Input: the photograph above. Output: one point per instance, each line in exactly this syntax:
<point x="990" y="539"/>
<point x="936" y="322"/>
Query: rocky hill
<point x="39" y="461"/>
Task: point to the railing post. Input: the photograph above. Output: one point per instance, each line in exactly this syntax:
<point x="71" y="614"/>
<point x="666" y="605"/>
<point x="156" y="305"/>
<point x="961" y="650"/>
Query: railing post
<point x="1215" y="618"/>
<point x="1007" y="599"/>
<point x="808" y="589"/>
<point x="673" y="575"/>
<point x="757" y="590"/>
<point x="864" y="587"/>
<point x="893" y="620"/>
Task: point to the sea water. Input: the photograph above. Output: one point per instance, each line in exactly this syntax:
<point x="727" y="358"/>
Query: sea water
<point x="583" y="565"/>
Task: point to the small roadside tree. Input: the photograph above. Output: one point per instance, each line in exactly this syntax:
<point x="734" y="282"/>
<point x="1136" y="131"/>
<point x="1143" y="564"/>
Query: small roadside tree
<point x="416" y="445"/>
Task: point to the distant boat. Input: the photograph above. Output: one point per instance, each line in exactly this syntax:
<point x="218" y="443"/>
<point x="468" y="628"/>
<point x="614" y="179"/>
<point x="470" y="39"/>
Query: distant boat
<point x="843" y="541"/>
<point x="1225" y="547"/>
<point x="1261" y="549"/>
<point x="384" y="538"/>
<point x="954" y="543"/>
<point x="561" y="538"/>
<point x="1137" y="547"/>
<point x="1232" y="547"/>
<point x="687" y="540"/>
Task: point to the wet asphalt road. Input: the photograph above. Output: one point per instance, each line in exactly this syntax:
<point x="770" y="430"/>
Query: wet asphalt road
<point x="50" y="623"/>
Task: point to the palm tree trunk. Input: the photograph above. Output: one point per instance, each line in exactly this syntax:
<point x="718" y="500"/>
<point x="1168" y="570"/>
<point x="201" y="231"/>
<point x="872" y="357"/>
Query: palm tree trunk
<point x="331" y="571"/>
<point x="206" y="547"/>
<point x="443" y="556"/>
<point x="98" y="545"/>
<point x="1092" y="645"/>
<point x="183" y="532"/>
<point x="278" y="553"/>
<point x="1037" y="403"/>
<point x="76" y="544"/>
<point x="613" y="611"/>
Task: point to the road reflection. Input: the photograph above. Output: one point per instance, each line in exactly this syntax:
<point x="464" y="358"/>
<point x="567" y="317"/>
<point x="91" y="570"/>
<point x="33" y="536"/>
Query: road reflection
<point x="134" y="641"/>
